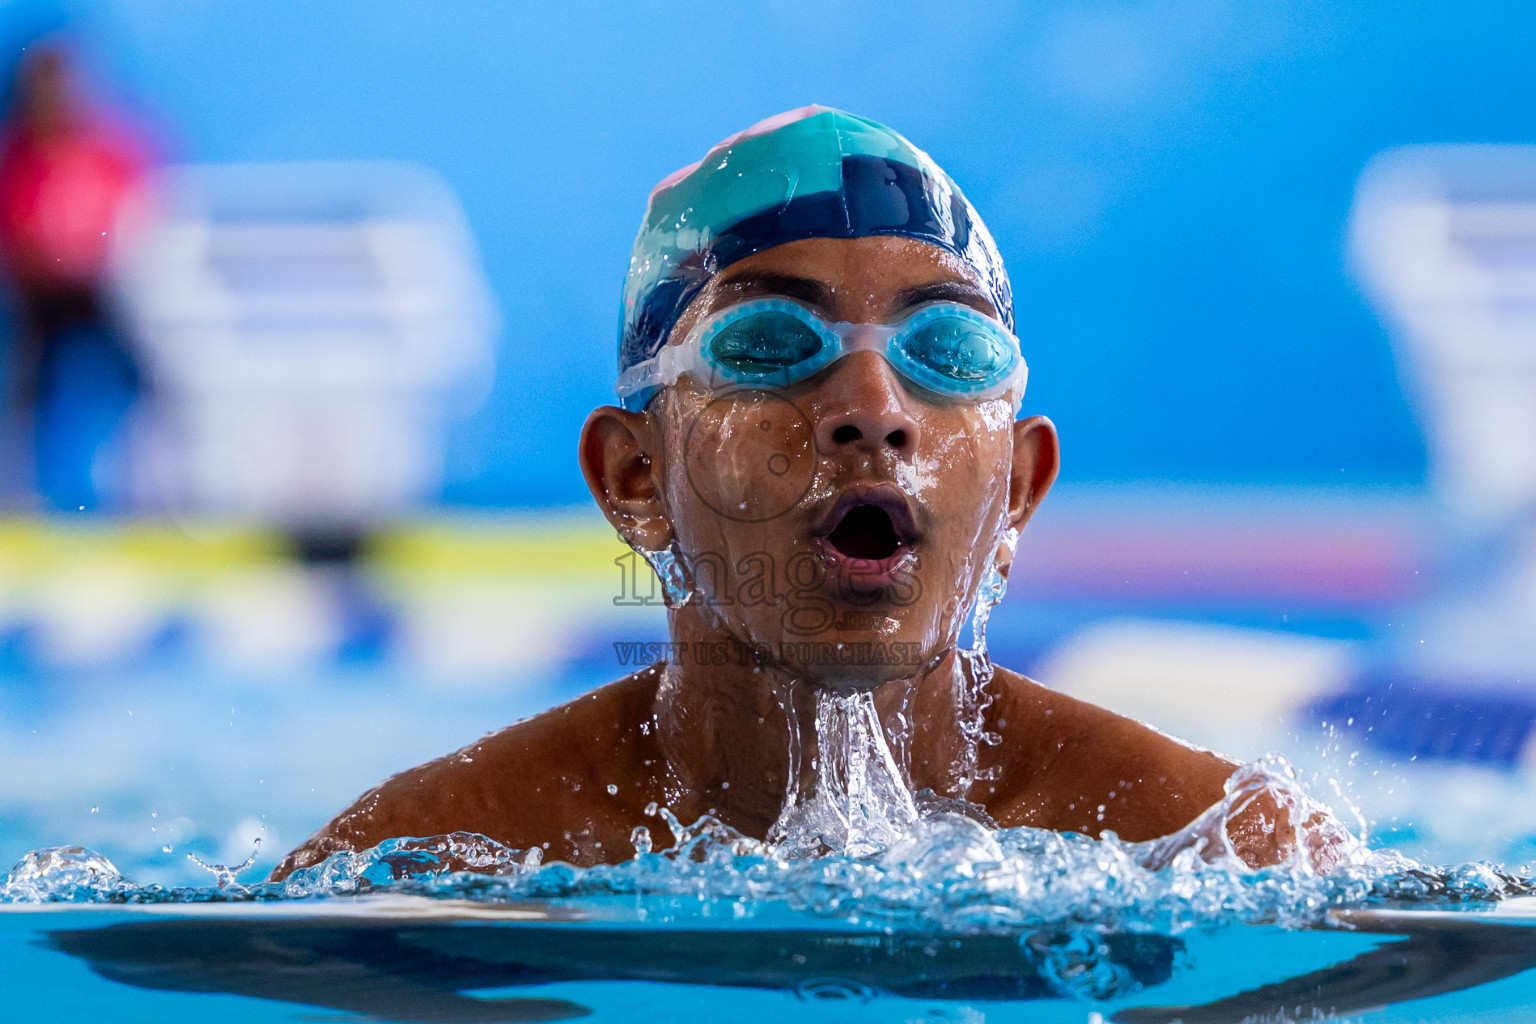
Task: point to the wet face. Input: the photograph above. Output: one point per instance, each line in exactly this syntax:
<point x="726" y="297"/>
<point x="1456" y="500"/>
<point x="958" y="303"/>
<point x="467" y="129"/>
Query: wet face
<point x="839" y="527"/>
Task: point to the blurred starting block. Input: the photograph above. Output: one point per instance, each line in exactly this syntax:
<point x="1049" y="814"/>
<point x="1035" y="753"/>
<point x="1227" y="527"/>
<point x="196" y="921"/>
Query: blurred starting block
<point x="310" y="330"/>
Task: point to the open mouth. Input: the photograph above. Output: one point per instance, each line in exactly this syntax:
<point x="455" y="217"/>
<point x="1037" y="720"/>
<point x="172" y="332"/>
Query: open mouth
<point x="865" y="532"/>
<point x="873" y="525"/>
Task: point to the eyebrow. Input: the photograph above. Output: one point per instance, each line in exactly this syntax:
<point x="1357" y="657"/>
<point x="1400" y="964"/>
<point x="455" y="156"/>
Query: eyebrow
<point x="818" y="294"/>
<point x="944" y="291"/>
<point x="806" y="289"/>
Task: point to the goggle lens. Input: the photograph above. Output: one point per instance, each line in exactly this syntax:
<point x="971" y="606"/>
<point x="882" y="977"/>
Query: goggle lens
<point x="966" y="351"/>
<point x="764" y="343"/>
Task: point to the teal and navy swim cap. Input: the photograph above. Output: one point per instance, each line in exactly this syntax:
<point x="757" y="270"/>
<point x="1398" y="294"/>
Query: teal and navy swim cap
<point x="808" y="173"/>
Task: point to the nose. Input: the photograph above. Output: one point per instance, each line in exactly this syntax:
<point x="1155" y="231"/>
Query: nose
<point x="860" y="406"/>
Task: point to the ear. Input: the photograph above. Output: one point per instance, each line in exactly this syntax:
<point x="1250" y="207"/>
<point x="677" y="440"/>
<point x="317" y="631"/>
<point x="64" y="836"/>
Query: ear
<point x="1036" y="458"/>
<point x="623" y="475"/>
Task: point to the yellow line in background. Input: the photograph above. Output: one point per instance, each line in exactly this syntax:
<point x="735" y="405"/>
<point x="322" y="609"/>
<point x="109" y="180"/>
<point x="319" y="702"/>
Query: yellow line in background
<point x="563" y="545"/>
<point x="570" y="545"/>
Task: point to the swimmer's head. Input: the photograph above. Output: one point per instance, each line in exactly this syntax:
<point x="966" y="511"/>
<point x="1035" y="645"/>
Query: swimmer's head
<point x="820" y="383"/>
<point x="807" y="173"/>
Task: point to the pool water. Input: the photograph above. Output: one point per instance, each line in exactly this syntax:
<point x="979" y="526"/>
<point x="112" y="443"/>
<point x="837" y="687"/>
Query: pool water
<point x="380" y="963"/>
<point x="472" y="950"/>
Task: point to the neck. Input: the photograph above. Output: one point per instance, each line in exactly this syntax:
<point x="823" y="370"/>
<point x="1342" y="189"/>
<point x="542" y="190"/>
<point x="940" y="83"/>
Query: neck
<point x="726" y="726"/>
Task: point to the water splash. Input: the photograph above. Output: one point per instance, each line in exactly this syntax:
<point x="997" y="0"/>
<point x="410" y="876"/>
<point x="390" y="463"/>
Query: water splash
<point x="411" y="860"/>
<point x="669" y="569"/>
<point x="947" y="873"/>
<point x="63" y="874"/>
<point x="862" y="799"/>
<point x="861" y="802"/>
<point x="973" y="672"/>
<point x="1323" y="843"/>
<point x="224" y="877"/>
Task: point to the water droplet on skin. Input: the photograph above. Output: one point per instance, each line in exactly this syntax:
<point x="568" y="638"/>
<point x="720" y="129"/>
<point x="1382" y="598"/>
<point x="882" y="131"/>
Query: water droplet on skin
<point x="651" y="809"/>
<point x="613" y="790"/>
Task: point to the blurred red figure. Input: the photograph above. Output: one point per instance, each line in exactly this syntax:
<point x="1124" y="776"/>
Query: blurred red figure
<point x="67" y="174"/>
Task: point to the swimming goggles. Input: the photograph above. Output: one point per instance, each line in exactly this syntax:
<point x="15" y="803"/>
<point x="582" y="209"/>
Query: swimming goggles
<point x="946" y="349"/>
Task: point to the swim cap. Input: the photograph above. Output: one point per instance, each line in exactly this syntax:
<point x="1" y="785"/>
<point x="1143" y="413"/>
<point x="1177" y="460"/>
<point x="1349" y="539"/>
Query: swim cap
<point x="807" y="173"/>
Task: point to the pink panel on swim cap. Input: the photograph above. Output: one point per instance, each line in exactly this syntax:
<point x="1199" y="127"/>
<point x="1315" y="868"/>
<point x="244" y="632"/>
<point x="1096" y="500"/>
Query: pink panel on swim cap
<point x="762" y="127"/>
<point x="768" y="124"/>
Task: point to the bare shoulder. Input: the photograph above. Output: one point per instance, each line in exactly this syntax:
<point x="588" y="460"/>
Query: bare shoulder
<point x="1069" y="765"/>
<point x="535" y="782"/>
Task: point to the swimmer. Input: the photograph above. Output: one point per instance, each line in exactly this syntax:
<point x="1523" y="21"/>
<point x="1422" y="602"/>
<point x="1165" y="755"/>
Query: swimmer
<point x="818" y="443"/>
